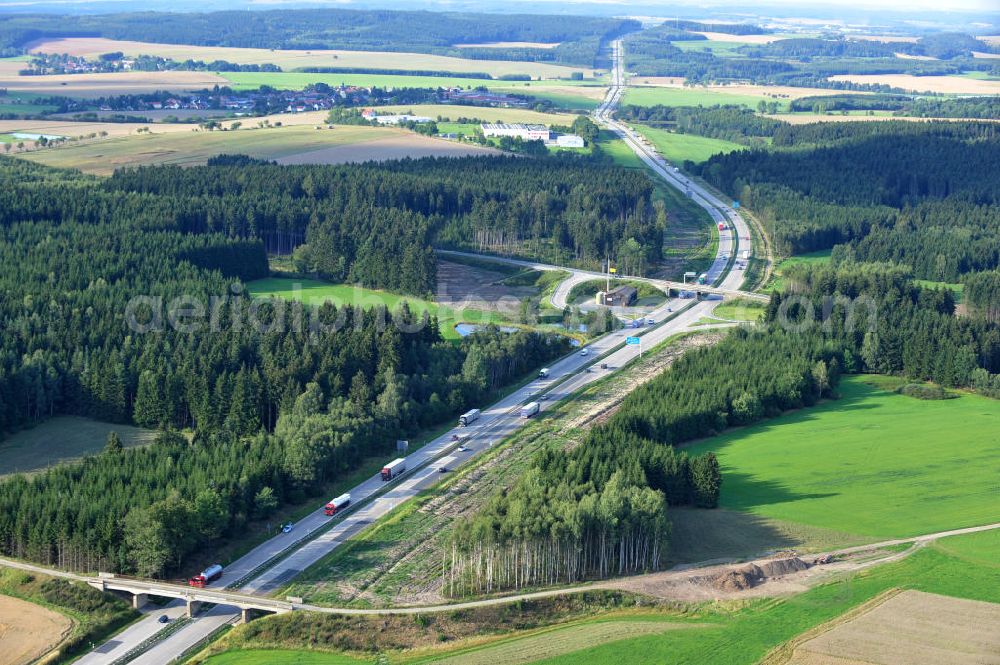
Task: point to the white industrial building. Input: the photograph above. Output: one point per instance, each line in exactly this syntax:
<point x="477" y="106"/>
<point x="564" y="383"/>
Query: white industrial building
<point x="516" y="130"/>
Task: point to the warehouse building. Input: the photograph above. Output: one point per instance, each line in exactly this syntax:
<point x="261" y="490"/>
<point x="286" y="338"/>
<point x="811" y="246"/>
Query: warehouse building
<point x="516" y="130"/>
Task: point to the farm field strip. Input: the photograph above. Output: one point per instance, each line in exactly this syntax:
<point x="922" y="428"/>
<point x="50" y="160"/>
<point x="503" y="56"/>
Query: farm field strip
<point x="103" y="85"/>
<point x="559" y="641"/>
<point x="912" y="627"/>
<point x="29" y="631"/>
<point x="961" y="85"/>
<point x="289" y="59"/>
<point x="291" y="144"/>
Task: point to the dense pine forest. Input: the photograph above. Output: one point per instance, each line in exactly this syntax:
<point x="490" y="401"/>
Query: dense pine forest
<point x="923" y="195"/>
<point x="281" y="397"/>
<point x="356" y="219"/>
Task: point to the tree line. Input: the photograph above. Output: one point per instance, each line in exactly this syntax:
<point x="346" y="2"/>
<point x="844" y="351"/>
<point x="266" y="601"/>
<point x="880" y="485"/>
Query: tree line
<point x="567" y="210"/>
<point x="921" y="194"/>
<point x="730" y="123"/>
<point x="329" y="28"/>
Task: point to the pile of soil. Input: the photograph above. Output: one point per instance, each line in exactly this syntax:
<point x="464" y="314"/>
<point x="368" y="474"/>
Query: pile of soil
<point x="779" y="567"/>
<point x="738" y="579"/>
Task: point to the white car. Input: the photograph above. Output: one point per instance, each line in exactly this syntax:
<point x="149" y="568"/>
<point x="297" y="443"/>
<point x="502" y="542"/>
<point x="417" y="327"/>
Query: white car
<point x="585" y="352"/>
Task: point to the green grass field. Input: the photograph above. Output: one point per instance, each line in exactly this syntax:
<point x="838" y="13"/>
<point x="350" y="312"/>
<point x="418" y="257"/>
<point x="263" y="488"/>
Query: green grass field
<point x="740" y="310"/>
<point x="23" y="103"/>
<point x="812" y="258"/>
<point x="314" y="291"/>
<point x="619" y="151"/>
<point x="958" y="290"/>
<point x="873" y="463"/>
<point x="63" y="438"/>
<point x="651" y="96"/>
<point x="681" y="147"/>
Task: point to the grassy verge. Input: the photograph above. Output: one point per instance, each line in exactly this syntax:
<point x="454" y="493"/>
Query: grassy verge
<point x="679" y="148"/>
<point x="740" y="309"/>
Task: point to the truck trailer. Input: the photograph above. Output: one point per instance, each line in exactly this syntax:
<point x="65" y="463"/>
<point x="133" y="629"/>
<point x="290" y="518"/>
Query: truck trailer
<point x="210" y="574"/>
<point x="529" y="409"/>
<point x="393" y="469"/>
<point x="468" y="417"/>
<point x="338" y="504"/>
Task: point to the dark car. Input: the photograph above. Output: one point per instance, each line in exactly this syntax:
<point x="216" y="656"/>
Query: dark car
<point x="164" y="619"/>
<point x="443" y="469"/>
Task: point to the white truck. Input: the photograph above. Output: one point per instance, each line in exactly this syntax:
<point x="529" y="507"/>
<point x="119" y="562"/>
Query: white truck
<point x="529" y="409"/>
<point x="468" y="417"/>
<point x="543" y="373"/>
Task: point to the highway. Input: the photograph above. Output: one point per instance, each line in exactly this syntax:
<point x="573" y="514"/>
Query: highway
<point x="277" y="561"/>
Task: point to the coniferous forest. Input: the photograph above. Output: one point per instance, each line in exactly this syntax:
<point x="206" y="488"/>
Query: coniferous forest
<point x="280" y="398"/>
<point x="924" y="195"/>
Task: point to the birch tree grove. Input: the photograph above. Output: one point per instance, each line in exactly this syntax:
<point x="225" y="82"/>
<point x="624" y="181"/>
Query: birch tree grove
<point x="547" y="537"/>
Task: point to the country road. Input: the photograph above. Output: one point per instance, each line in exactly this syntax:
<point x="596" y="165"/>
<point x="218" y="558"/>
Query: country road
<point x="277" y="561"/>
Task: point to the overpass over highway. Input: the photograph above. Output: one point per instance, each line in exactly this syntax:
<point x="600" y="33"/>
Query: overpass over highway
<point x="577" y="276"/>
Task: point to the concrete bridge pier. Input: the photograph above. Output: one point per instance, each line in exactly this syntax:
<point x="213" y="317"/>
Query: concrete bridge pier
<point x="139" y="600"/>
<point x="192" y="608"/>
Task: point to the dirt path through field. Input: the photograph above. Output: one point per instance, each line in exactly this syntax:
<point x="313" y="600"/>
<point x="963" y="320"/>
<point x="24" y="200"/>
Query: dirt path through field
<point x="29" y="631"/>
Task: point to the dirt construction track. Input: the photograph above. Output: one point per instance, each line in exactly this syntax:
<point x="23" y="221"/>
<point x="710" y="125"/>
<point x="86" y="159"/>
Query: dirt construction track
<point x="28" y="631"/>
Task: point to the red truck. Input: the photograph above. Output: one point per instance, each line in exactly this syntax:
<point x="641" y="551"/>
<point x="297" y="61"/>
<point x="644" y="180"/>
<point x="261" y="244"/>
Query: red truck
<point x="393" y="469"/>
<point x="339" y="503"/>
<point x="210" y="574"/>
